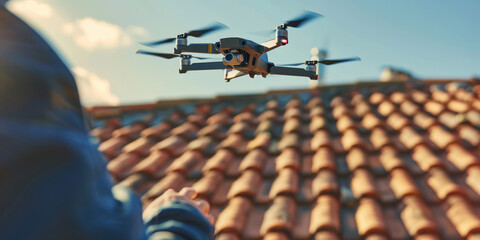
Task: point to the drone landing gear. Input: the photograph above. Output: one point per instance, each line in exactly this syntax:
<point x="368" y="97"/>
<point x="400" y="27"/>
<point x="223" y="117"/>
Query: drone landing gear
<point x="227" y="80"/>
<point x="252" y="75"/>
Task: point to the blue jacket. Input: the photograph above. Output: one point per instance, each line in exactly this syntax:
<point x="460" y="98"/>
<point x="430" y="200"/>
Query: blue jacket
<point x="53" y="181"/>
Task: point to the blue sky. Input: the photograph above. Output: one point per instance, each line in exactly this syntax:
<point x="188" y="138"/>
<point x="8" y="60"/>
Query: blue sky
<point x="98" y="40"/>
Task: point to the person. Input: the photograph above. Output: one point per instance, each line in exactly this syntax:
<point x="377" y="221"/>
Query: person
<point x="53" y="181"/>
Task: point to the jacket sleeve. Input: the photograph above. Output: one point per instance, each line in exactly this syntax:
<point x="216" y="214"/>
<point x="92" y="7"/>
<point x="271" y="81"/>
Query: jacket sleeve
<point x="179" y="220"/>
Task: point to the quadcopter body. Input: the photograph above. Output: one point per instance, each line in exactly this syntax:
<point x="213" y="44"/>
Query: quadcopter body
<point x="241" y="56"/>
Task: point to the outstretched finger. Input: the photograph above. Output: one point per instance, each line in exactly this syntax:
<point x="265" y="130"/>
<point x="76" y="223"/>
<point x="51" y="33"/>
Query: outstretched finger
<point x="203" y="206"/>
<point x="188" y="192"/>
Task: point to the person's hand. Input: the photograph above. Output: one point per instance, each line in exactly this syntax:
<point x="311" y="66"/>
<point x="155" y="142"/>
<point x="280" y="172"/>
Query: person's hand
<point x="186" y="195"/>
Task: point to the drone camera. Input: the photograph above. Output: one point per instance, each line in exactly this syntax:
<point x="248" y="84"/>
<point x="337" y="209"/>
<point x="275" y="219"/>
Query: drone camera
<point x="233" y="59"/>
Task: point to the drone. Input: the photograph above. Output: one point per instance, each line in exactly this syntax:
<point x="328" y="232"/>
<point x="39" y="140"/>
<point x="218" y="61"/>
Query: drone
<point x="241" y="56"/>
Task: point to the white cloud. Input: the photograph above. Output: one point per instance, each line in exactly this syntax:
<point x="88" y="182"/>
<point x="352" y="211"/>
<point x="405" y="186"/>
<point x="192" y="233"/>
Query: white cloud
<point x="68" y="28"/>
<point x="137" y="30"/>
<point x="93" y="89"/>
<point x="31" y="8"/>
<point x="90" y="33"/>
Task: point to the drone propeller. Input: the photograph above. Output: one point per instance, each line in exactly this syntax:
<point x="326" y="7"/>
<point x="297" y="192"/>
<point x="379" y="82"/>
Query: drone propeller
<point x="302" y="19"/>
<point x="325" y="62"/>
<point x="194" y="33"/>
<point x="295" y="23"/>
<point x="168" y="55"/>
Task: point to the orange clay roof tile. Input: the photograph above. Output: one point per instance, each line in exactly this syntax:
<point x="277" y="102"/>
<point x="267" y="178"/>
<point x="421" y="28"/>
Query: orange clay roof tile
<point x="262" y="140"/>
<point x="390" y="159"/>
<point x="121" y="166"/>
<point x="220" y="161"/>
<point x="173" y="145"/>
<point x="340" y="110"/>
<point x="469" y="134"/>
<point x="285" y="183"/>
<point x="409" y="108"/>
<point x="465" y="220"/>
<point x="324" y="182"/>
<point x="442" y="184"/>
<point x="255" y="159"/>
<point x="356" y="158"/>
<point x="351" y="139"/>
<point x="325" y="214"/>
<point x="376" y="98"/>
<point x="112" y="146"/>
<point x="344" y="123"/>
<point x="362" y="108"/>
<point x="213" y="130"/>
<point x="141" y="146"/>
<point x="419" y="97"/>
<point x="441" y="137"/>
<point x="289" y="158"/>
<point x="317" y="111"/>
<point x="369" y="217"/>
<point x="234" y="142"/>
<point x="440" y="96"/>
<point x="279" y="216"/>
<point x="398" y="97"/>
<point x="208" y="184"/>
<point x="417" y="217"/>
<point x="434" y="108"/>
<point x="402" y="184"/>
<point x="186" y="162"/>
<point x="293" y="125"/>
<point x="397" y="121"/>
<point x="370" y="121"/>
<point x="314" y="102"/>
<point x="425" y="158"/>
<point x="290" y="140"/>
<point x="450" y="119"/>
<point x="246" y="185"/>
<point x="234" y="216"/>
<point x="152" y="163"/>
<point x="375" y="161"/>
<point x="473" y="117"/>
<point x="386" y="108"/>
<point x="323" y="159"/>
<point x="363" y="184"/>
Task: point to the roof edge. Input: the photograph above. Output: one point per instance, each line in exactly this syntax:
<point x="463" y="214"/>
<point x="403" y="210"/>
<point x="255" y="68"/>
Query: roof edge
<point x="99" y="112"/>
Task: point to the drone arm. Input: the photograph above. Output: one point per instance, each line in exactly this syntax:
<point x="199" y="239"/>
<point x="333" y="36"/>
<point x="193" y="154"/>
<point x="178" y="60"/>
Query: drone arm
<point x="197" y="48"/>
<point x="203" y="66"/>
<point x="293" y="72"/>
<point x="270" y="45"/>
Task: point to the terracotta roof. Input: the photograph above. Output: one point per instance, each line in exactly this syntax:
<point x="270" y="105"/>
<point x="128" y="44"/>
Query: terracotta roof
<point x="363" y="161"/>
